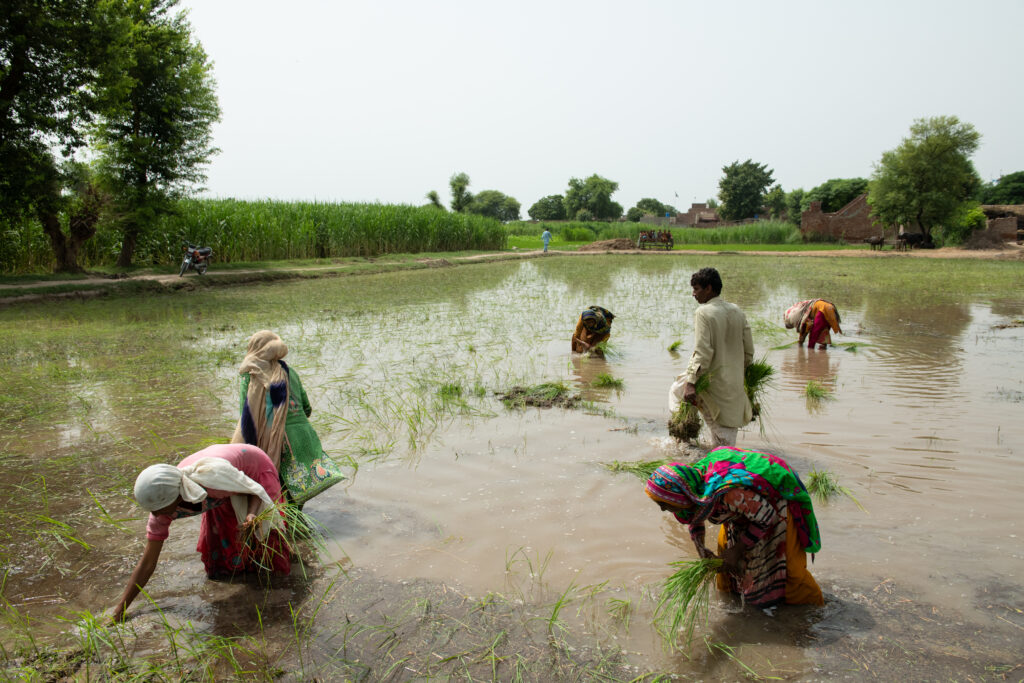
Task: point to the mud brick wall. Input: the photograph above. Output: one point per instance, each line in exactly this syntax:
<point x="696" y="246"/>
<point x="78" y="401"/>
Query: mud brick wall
<point x="852" y="223"/>
<point x="1005" y="227"/>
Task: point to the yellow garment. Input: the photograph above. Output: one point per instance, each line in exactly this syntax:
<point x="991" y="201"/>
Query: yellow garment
<point x="801" y="588"/>
<point x="585" y="335"/>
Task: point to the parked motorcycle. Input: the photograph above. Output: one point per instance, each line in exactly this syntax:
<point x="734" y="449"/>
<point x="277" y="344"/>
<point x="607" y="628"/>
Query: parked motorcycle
<point x="195" y="257"/>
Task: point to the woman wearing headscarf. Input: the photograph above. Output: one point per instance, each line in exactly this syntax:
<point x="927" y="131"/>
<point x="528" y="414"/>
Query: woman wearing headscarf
<point x="232" y="486"/>
<point x="768" y="522"/>
<point x="275" y="416"/>
<point x="593" y="327"/>
<point x="813" y="319"/>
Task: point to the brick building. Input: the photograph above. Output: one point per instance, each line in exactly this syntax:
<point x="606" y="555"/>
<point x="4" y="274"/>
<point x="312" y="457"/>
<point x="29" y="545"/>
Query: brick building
<point x="852" y="223"/>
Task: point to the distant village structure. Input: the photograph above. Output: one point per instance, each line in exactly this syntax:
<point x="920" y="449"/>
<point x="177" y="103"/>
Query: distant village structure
<point x="852" y="223"/>
<point x="698" y="216"/>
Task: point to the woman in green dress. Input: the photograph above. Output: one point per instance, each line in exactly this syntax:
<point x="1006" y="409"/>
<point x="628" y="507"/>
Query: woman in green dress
<point x="281" y="428"/>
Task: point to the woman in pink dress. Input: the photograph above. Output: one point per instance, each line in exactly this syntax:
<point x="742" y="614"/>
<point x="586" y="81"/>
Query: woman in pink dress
<point x="231" y="485"/>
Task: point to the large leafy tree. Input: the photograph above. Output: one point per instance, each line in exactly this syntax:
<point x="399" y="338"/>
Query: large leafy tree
<point x="835" y="193"/>
<point x="742" y="189"/>
<point x="461" y="196"/>
<point x="775" y="201"/>
<point x="495" y="205"/>
<point x="50" y="54"/>
<point x="592" y="197"/>
<point x="927" y="179"/>
<point x="1009" y="189"/>
<point x="794" y="205"/>
<point x="550" y="208"/>
<point x="155" y="132"/>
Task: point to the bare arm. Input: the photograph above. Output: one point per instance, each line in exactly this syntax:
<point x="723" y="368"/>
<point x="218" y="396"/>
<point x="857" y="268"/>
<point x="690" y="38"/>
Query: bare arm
<point x="143" y="571"/>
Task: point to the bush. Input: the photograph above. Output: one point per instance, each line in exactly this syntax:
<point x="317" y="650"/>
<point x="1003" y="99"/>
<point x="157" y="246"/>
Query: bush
<point x="970" y="220"/>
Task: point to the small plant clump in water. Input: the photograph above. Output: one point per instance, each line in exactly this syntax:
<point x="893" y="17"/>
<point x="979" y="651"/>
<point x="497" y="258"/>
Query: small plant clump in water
<point x="685" y="597"/>
<point x="641" y="468"/>
<point x="823" y="485"/>
<point x="606" y="380"/>
<point x="545" y="395"/>
<point x="816" y="391"/>
<point x="674" y="346"/>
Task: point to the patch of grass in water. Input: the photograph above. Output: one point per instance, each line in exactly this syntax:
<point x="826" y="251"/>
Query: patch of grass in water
<point x="606" y="380"/>
<point x="816" y="391"/>
<point x="543" y="395"/>
<point x="639" y="468"/>
<point x="674" y="346"/>
<point x="823" y="485"/>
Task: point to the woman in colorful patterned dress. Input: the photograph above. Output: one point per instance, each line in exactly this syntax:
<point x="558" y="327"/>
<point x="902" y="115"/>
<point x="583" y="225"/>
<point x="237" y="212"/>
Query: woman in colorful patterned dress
<point x="768" y="522"/>
<point x="282" y="427"/>
<point x="232" y="486"/>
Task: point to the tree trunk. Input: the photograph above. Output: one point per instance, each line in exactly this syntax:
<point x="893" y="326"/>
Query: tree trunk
<point x="63" y="248"/>
<point x="131" y="234"/>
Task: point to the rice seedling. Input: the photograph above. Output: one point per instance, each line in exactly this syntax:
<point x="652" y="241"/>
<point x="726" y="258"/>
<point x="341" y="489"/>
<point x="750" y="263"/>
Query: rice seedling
<point x="674" y="346"/>
<point x="605" y="380"/>
<point x="823" y="485"/>
<point x="685" y="597"/>
<point x="642" y="469"/>
<point x="816" y="391"/>
<point x="684" y="425"/>
<point x="298" y="527"/>
<point x="620" y="610"/>
<point x="756" y="378"/>
<point x="730" y="652"/>
<point x="544" y="395"/>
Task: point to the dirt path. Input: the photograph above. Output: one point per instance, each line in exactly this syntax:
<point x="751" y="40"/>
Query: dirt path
<point x="95" y="285"/>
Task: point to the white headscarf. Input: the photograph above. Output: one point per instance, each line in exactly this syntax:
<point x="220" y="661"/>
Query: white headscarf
<point x="158" y="486"/>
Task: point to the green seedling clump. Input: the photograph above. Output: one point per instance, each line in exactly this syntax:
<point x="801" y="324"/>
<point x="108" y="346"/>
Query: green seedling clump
<point x="685" y="597"/>
<point x="684" y="425"/>
<point x="641" y="468"/>
<point x="823" y="485"/>
<point x="545" y="395"/>
<point x="606" y="380"/>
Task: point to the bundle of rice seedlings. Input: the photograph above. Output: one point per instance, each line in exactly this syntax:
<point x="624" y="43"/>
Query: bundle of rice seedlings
<point x="685" y="597"/>
<point x="298" y="527"/>
<point x="544" y="395"/>
<point x="641" y="468"/>
<point x="823" y="485"/>
<point x="674" y="346"/>
<point x="684" y="425"/>
<point x="756" y="379"/>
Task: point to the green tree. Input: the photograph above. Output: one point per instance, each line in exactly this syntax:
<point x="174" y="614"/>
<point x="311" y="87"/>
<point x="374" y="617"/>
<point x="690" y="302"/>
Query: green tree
<point x="926" y="180"/>
<point x="742" y="189"/>
<point x="435" y="200"/>
<point x="593" y="194"/>
<point x="1009" y="189"/>
<point x="775" y="201"/>
<point x="835" y="193"/>
<point x="495" y="205"/>
<point x="50" y="55"/>
<point x="550" y="208"/>
<point x="461" y="197"/>
<point x="155" y="134"/>
<point x="794" y="205"/>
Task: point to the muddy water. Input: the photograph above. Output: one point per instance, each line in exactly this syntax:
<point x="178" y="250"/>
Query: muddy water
<point x="923" y="426"/>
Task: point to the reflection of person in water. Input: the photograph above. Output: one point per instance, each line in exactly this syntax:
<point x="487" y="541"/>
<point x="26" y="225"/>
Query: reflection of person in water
<point x="813" y="319"/>
<point x="593" y="327"/>
<point x="768" y="522"/>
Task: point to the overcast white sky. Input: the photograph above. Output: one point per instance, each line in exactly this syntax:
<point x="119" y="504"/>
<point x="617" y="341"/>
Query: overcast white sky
<point x="383" y="101"/>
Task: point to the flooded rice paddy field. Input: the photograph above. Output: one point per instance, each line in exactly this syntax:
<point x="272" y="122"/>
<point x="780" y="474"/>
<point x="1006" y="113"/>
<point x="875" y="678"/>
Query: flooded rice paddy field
<point x="481" y="541"/>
